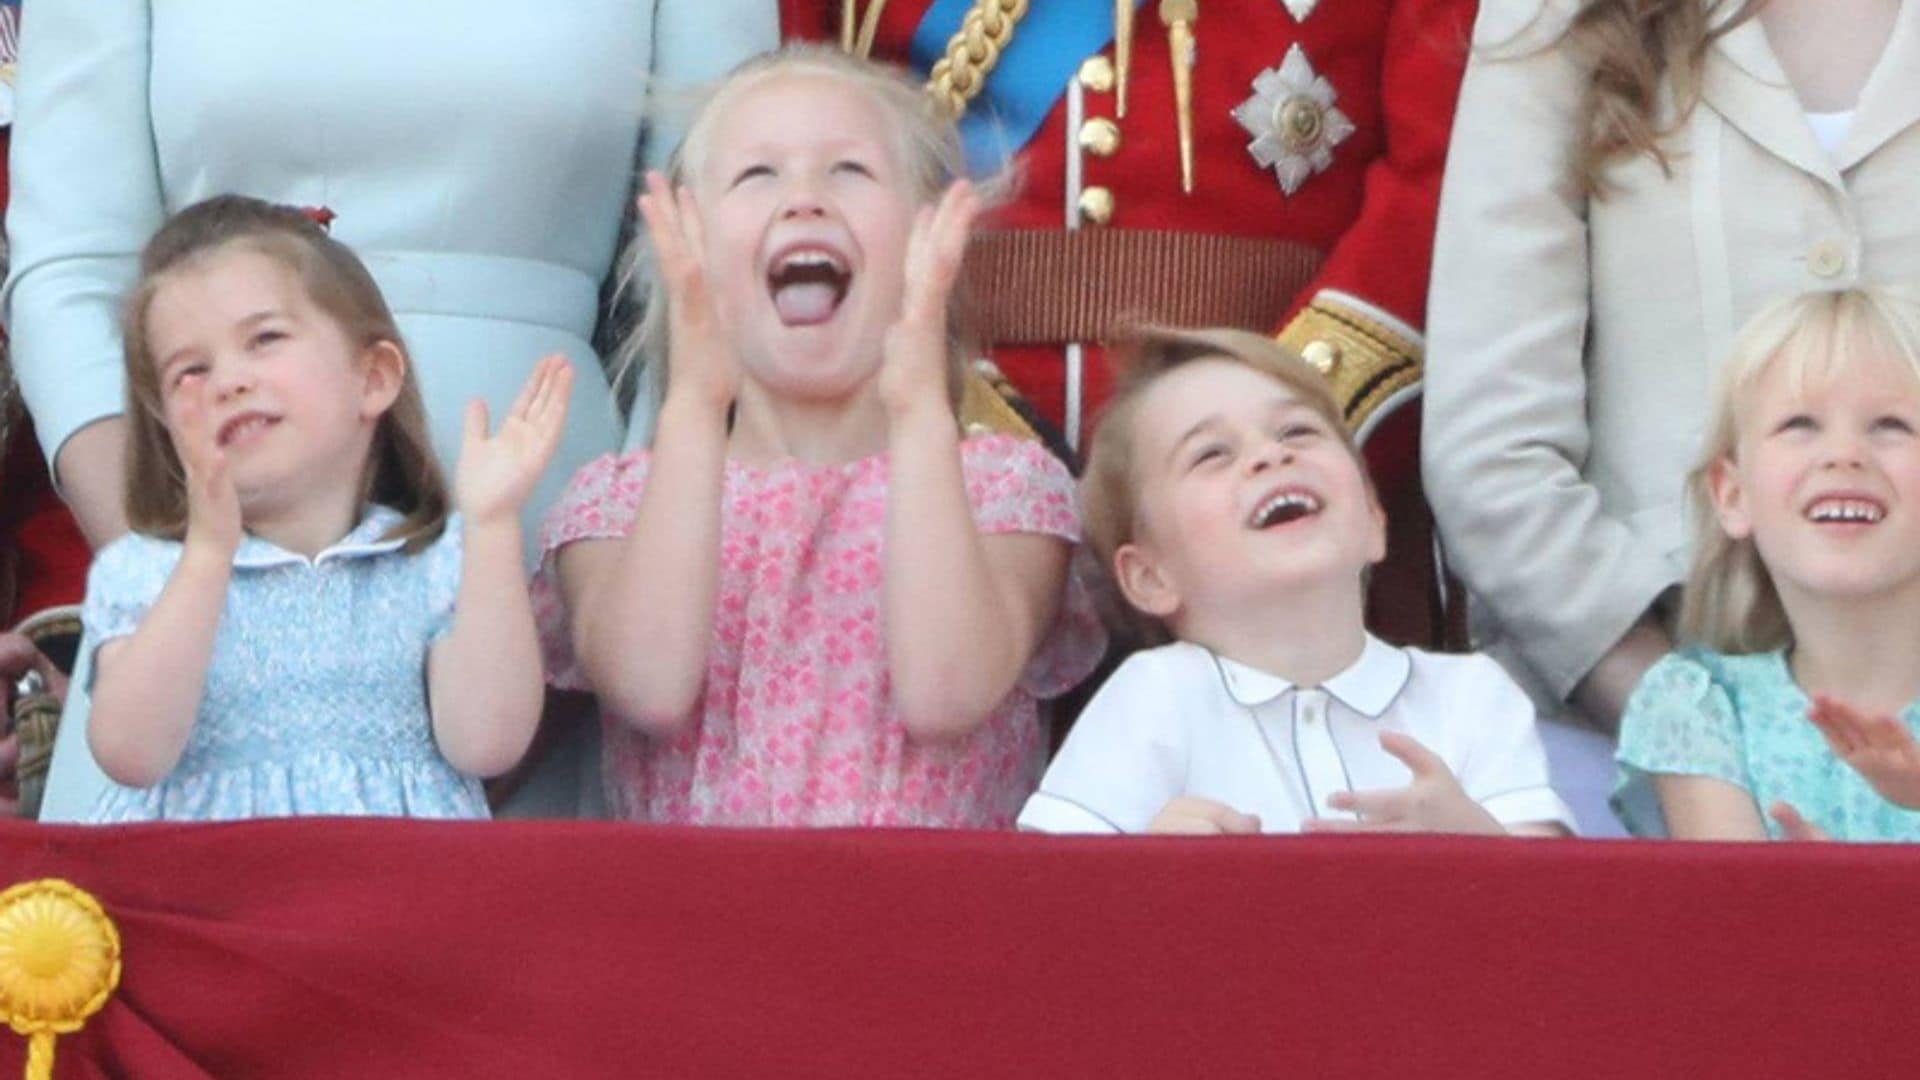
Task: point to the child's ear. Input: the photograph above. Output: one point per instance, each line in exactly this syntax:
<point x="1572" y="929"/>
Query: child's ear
<point x="1729" y="498"/>
<point x="385" y="368"/>
<point x="1377" y="537"/>
<point x="1143" y="583"/>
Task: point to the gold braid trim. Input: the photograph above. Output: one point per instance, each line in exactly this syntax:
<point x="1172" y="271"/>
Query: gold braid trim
<point x="972" y="53"/>
<point x="1368" y="363"/>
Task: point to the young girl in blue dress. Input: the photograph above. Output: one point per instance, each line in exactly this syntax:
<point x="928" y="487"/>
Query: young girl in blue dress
<point x="1793" y="713"/>
<point x="297" y="624"/>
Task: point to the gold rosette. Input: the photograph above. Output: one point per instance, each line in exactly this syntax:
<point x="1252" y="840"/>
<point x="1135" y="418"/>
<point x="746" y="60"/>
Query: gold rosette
<point x="59" y="962"/>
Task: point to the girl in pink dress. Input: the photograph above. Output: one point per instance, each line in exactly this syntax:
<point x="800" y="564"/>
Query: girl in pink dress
<point x="815" y="602"/>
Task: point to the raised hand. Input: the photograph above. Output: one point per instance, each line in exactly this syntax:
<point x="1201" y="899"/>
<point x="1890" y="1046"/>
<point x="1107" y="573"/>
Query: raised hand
<point x="914" y="373"/>
<point x="701" y="365"/>
<point x="213" y="506"/>
<point x="498" y="471"/>
<point x="1433" y="802"/>
<point x="1793" y="826"/>
<point x="1877" y="746"/>
<point x="1190" y="815"/>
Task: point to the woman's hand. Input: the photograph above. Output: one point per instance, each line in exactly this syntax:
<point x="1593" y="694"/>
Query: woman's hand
<point x="213" y="506"/>
<point x="1877" y="746"/>
<point x="1433" y="802"/>
<point x="498" y="472"/>
<point x="914" y="373"/>
<point x="701" y="365"/>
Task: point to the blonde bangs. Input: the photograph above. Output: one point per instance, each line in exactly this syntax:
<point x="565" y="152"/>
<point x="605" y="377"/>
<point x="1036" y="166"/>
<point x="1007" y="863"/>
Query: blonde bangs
<point x="1730" y="603"/>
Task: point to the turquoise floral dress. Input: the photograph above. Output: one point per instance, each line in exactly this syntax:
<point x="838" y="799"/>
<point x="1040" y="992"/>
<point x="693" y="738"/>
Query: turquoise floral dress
<point x="316" y="696"/>
<point x="1743" y="719"/>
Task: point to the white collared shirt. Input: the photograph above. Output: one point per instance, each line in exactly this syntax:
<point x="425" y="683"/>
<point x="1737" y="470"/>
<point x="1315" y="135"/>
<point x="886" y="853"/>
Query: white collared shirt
<point x="1181" y="720"/>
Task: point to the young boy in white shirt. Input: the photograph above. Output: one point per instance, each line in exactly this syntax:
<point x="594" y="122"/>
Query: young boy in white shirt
<point x="1229" y="505"/>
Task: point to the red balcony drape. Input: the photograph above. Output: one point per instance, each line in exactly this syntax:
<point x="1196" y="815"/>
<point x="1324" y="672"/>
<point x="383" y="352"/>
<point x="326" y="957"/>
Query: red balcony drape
<point x="401" y="949"/>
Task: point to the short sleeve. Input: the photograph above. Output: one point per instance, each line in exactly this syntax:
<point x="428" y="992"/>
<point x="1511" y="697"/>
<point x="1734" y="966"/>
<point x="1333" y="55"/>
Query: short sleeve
<point x="122" y="584"/>
<point x="1124" y="760"/>
<point x="1679" y="721"/>
<point x="1506" y="771"/>
<point x="599" y="504"/>
<point x="1015" y="485"/>
<point x="442" y="563"/>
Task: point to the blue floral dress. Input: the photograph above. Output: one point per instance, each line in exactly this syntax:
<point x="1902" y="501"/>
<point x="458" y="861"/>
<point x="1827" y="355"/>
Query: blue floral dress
<point x="1743" y="719"/>
<point x="316" y="696"/>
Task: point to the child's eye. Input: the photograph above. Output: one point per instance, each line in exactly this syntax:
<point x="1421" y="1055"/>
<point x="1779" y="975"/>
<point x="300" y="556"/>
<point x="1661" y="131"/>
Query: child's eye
<point x="1298" y="432"/>
<point x="266" y="337"/>
<point x="1897" y="425"/>
<point x="1207" y="455"/>
<point x="853" y="167"/>
<point x="751" y="172"/>
<point x="187" y="371"/>
<point x="1796" y="422"/>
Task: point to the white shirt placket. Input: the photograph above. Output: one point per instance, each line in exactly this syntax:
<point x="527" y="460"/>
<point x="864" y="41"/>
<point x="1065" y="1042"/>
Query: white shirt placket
<point x="1322" y="770"/>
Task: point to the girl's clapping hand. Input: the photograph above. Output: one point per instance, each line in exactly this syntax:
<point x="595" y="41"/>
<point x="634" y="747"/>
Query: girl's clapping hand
<point x="1793" y="826"/>
<point x="1877" y="746"/>
<point x="213" y="506"/>
<point x="498" y="472"/>
<point x="1433" y="802"/>
<point x="914" y="372"/>
<point x="700" y="354"/>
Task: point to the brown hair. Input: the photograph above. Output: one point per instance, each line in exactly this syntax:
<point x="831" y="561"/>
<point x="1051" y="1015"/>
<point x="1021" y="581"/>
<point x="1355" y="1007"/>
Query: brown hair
<point x="1730" y="603"/>
<point x="401" y="470"/>
<point x="927" y="144"/>
<point x="1638" y="49"/>
<point x="1110" y="485"/>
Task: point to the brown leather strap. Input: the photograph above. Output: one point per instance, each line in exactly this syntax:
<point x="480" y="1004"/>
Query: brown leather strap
<point x="1038" y="286"/>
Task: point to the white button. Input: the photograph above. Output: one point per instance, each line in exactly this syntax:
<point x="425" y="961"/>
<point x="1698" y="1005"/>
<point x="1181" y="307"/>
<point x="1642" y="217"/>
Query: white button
<point x="1827" y="258"/>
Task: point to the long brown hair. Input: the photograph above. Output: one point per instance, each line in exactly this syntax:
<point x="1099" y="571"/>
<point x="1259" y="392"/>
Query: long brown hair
<point x="401" y="470"/>
<point x="1642" y="53"/>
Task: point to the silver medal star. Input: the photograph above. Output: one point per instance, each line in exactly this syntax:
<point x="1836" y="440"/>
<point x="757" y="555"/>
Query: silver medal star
<point x="1293" y="121"/>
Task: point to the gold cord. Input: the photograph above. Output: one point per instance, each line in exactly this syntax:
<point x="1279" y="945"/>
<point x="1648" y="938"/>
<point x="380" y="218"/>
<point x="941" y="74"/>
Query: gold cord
<point x="972" y="53"/>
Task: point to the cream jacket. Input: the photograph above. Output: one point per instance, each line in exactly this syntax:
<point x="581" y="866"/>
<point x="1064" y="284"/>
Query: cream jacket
<point x="1573" y="343"/>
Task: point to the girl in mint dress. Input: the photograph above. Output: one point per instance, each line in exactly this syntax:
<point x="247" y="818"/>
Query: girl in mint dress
<point x="1794" y="714"/>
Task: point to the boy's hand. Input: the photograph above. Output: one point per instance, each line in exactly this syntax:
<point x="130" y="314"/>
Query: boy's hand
<point x="496" y="473"/>
<point x="213" y="506"/>
<point x="701" y="365"/>
<point x="1878" y="747"/>
<point x="1191" y="816"/>
<point x="914" y="372"/>
<point x="1433" y="802"/>
<point x="1795" y="827"/>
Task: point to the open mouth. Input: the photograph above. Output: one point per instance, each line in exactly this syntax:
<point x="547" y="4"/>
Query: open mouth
<point x="1284" y="508"/>
<point x="1845" y="510"/>
<point x="808" y="282"/>
<point x="243" y="427"/>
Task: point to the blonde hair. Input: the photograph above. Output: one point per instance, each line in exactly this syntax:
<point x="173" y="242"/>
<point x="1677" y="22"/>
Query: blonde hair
<point x="401" y="470"/>
<point x="926" y="143"/>
<point x="1110" y="486"/>
<point x="1641" y="53"/>
<point x="1730" y="603"/>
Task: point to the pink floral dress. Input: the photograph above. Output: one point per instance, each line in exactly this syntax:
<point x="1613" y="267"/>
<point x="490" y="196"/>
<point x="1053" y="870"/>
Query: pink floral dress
<point x="797" y="726"/>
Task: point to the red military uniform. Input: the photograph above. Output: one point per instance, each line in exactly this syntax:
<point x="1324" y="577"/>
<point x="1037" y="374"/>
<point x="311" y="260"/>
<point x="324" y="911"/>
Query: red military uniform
<point x="1319" y="135"/>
